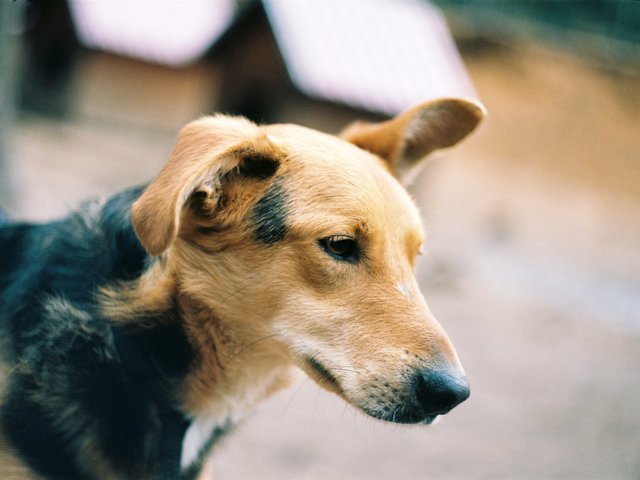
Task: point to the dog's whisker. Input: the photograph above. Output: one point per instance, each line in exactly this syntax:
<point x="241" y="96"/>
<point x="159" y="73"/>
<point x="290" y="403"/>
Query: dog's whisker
<point x="248" y="346"/>
<point x="344" y="410"/>
<point x="346" y="369"/>
<point x="292" y="397"/>
<point x="247" y="282"/>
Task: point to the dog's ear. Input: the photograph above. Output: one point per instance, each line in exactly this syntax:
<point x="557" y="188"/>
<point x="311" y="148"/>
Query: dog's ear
<point x="209" y="152"/>
<point x="408" y="138"/>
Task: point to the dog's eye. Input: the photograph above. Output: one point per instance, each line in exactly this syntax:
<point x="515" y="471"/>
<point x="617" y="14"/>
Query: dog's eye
<point x="341" y="248"/>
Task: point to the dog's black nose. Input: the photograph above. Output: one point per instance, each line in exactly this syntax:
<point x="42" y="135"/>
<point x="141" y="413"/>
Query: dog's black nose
<point x="438" y="391"/>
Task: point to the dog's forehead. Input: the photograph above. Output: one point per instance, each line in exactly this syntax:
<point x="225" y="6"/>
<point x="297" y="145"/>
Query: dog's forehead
<point x="347" y="184"/>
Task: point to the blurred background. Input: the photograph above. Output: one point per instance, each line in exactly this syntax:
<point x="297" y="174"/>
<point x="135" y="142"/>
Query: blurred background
<point x="533" y="262"/>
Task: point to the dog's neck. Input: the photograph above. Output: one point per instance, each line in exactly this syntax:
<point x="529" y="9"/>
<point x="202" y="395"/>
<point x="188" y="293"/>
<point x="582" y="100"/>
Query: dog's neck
<point x="231" y="369"/>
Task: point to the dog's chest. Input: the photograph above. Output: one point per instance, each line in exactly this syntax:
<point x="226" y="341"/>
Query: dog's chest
<point x="199" y="439"/>
<point x="223" y="412"/>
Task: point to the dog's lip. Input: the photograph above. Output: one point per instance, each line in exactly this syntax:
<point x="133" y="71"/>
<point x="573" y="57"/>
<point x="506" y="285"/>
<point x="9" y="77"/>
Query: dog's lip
<point x="405" y="415"/>
<point x="428" y="420"/>
<point x="322" y="374"/>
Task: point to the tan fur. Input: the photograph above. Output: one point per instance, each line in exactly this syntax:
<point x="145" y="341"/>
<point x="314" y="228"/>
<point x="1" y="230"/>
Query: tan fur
<point x="406" y="139"/>
<point x="254" y="310"/>
<point x="11" y="467"/>
<point x="152" y="292"/>
<point x="196" y="158"/>
<point x="236" y="225"/>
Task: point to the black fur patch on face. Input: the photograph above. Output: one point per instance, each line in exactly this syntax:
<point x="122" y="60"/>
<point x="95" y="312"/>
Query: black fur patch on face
<point x="258" y="166"/>
<point x="269" y="215"/>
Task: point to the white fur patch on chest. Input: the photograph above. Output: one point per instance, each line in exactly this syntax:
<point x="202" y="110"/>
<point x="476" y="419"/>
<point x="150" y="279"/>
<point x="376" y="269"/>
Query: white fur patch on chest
<point x="198" y="440"/>
<point x="223" y="412"/>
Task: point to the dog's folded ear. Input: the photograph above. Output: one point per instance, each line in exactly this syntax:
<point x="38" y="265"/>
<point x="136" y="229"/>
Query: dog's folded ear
<point x="209" y="153"/>
<point x="408" y="138"/>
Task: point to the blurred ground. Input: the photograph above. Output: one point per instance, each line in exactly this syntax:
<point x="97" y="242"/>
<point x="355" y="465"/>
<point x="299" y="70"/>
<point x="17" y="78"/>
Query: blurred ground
<point x="533" y="267"/>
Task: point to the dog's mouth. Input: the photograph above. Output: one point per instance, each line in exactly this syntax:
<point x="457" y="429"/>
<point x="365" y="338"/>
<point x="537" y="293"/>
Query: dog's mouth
<point x="322" y="375"/>
<point x="403" y="414"/>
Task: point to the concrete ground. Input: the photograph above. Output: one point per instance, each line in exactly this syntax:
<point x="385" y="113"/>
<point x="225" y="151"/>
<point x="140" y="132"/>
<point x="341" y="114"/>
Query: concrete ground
<point x="533" y="267"/>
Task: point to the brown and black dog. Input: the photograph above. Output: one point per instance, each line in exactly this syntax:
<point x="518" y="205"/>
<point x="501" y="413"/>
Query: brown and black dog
<point x="137" y="331"/>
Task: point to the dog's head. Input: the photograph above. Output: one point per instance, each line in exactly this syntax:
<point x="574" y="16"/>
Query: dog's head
<point x="310" y="240"/>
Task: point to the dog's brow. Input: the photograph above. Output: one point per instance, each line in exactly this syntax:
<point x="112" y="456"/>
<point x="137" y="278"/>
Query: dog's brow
<point x="269" y="215"/>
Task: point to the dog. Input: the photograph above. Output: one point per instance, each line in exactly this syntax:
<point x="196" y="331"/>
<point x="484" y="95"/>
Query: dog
<point x="136" y="332"/>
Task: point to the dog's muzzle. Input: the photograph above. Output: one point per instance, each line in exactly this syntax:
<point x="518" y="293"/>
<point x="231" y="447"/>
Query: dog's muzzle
<point x="428" y="393"/>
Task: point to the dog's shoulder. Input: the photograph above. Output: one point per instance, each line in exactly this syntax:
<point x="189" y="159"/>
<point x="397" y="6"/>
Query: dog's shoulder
<point x="67" y="259"/>
<point x="84" y="391"/>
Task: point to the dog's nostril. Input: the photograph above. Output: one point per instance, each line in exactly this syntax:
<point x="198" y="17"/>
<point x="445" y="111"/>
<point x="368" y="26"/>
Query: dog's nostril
<point x="438" y="391"/>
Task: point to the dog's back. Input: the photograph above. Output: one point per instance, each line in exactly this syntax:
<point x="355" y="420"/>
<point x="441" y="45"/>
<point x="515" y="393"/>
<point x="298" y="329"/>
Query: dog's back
<point x="67" y="258"/>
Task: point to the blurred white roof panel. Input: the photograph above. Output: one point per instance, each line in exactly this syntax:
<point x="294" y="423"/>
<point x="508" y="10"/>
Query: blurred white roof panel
<point x="165" y="31"/>
<point x="381" y="55"/>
